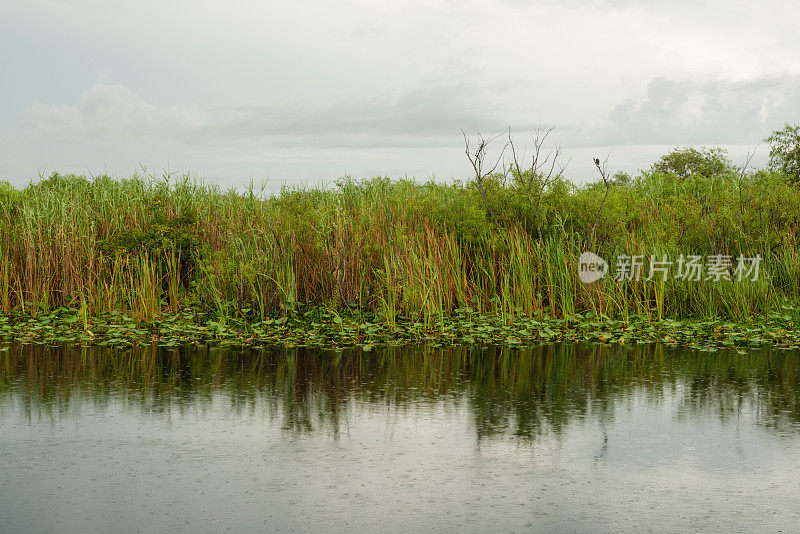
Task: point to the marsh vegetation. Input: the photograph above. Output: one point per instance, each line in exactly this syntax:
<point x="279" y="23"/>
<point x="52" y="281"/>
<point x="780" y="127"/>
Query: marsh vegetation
<point x="400" y="252"/>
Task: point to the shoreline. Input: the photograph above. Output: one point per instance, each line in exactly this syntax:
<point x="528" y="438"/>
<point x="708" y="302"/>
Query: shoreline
<point x="323" y="328"/>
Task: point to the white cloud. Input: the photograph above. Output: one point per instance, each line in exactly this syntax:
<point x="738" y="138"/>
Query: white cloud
<point x="697" y="111"/>
<point x="113" y="111"/>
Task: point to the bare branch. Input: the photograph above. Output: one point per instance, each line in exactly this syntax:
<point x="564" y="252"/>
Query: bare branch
<point x="750" y="153"/>
<point x="477" y="159"/>
<point x="542" y="169"/>
<point x="742" y="172"/>
<point x="602" y="169"/>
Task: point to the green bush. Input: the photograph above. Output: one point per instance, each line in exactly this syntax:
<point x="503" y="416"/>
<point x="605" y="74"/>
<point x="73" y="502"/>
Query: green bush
<point x="784" y="151"/>
<point x="689" y="162"/>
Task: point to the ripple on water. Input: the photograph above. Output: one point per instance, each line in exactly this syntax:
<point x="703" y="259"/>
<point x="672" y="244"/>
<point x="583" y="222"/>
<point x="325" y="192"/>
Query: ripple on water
<point x="557" y="438"/>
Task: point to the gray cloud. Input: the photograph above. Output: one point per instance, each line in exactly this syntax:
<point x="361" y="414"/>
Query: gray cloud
<point x="671" y="112"/>
<point x="704" y="111"/>
<point x="419" y="117"/>
<point x="291" y="88"/>
<point x="426" y="120"/>
<point x="432" y="114"/>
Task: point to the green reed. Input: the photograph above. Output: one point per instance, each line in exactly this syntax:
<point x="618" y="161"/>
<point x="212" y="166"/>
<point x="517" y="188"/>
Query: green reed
<point x="396" y="249"/>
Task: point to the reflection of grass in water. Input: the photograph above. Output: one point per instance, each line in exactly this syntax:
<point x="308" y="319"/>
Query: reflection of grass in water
<point x="521" y="392"/>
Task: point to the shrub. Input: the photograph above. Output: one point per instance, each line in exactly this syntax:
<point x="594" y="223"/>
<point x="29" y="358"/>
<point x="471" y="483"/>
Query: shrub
<point x="784" y="151"/>
<point x="690" y="162"/>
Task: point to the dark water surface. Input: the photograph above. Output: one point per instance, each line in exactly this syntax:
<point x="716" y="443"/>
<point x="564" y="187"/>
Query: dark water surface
<point x="551" y="439"/>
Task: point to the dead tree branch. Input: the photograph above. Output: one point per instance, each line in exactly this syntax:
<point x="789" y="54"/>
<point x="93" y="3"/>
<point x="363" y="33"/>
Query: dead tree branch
<point x="742" y="173"/>
<point x="543" y="168"/>
<point x="478" y="160"/>
<point x="604" y="175"/>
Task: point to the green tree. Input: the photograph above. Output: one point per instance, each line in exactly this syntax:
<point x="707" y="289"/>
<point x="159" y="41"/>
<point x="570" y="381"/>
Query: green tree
<point x="784" y="151"/>
<point x="687" y="161"/>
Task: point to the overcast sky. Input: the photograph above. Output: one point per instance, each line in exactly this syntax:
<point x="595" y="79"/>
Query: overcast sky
<point x="304" y="91"/>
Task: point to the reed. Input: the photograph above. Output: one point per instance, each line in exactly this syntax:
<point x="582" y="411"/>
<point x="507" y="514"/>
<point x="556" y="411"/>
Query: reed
<point x="396" y="249"/>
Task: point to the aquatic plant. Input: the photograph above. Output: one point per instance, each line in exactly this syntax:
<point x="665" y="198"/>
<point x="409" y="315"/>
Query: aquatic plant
<point x="405" y="253"/>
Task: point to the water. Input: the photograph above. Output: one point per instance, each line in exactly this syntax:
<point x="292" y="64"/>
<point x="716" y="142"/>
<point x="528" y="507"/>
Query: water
<point x="550" y="439"/>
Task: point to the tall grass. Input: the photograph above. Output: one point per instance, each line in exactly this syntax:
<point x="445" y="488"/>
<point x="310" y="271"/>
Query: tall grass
<point x="398" y="249"/>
